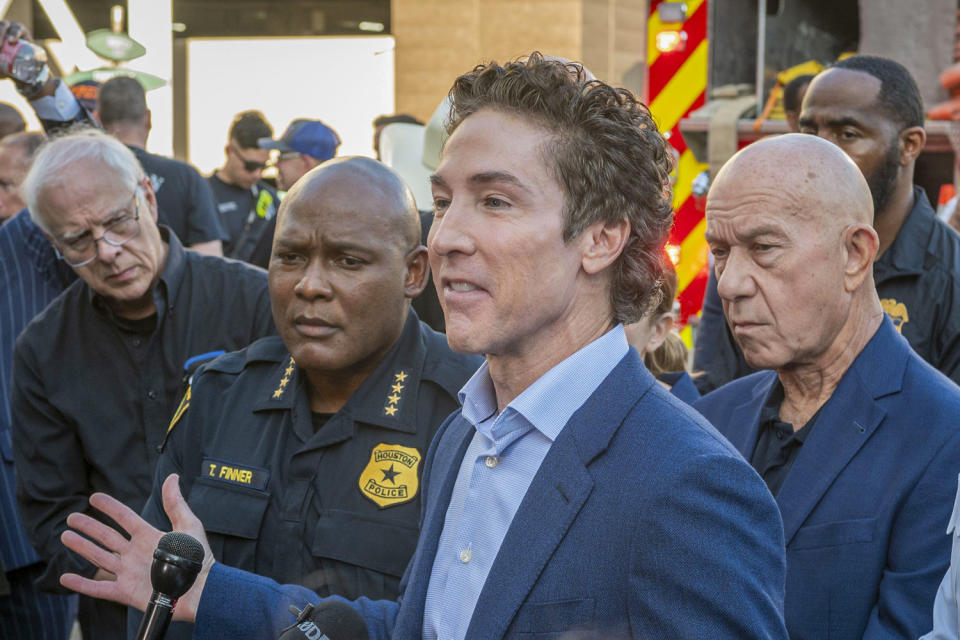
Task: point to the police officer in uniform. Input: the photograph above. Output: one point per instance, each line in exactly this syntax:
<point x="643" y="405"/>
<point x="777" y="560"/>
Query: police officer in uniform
<point x="302" y="454"/>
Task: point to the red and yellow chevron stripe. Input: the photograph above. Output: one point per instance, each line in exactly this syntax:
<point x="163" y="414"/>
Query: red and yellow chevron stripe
<point x="677" y="84"/>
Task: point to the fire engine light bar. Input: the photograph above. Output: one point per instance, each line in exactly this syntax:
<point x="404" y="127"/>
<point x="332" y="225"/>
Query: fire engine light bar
<point x="672" y="40"/>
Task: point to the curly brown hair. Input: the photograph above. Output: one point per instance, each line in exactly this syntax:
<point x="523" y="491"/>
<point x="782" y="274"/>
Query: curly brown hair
<point x="604" y="150"/>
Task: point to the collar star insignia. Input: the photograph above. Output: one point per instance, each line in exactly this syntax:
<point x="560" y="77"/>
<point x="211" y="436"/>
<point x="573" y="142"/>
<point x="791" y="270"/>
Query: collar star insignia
<point x="285" y="380"/>
<point x="396" y="390"/>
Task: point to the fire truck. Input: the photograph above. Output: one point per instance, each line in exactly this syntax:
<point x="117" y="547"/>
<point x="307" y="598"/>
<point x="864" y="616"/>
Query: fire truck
<point x="712" y="66"/>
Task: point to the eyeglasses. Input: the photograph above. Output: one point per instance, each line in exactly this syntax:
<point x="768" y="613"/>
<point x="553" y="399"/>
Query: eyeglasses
<point x="248" y="165"/>
<point x="82" y="250"/>
<point x="281" y="157"/>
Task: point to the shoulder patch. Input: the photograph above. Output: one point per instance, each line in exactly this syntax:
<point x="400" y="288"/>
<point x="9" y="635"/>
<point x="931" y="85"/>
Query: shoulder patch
<point x="264" y="206"/>
<point x="897" y="312"/>
<point x="390" y="478"/>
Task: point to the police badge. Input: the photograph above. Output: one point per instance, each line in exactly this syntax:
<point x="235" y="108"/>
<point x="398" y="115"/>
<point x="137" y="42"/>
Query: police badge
<point x="390" y="478"/>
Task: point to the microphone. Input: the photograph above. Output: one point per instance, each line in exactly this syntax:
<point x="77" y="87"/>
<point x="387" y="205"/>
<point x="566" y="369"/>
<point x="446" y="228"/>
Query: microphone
<point x="330" y="620"/>
<point x="176" y="563"/>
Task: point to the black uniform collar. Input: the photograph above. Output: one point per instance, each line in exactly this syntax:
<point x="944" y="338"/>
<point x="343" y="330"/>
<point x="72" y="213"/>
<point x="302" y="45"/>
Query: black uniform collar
<point x="908" y="252"/>
<point x="165" y="291"/>
<point x="387" y="398"/>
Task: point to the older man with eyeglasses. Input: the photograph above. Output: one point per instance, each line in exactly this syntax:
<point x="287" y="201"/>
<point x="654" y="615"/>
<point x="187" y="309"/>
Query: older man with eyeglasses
<point x="98" y="374"/>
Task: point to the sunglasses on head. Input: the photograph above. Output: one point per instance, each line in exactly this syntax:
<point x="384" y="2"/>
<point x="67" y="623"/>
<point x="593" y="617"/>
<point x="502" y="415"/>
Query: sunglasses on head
<point x="248" y="165"/>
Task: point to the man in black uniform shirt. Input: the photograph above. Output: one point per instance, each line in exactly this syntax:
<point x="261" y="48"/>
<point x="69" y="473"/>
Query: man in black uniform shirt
<point x="184" y="199"/>
<point x="302" y="454"/>
<point x="245" y="202"/>
<point x="871" y="108"/>
<point x="98" y="374"/>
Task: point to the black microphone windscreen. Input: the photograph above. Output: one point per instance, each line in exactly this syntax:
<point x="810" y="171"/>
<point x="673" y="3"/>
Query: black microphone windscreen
<point x="333" y="619"/>
<point x="181" y="544"/>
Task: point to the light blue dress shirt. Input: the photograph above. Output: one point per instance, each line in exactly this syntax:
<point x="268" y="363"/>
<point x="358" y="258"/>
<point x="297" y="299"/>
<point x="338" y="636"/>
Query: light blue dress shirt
<point x="500" y="463"/>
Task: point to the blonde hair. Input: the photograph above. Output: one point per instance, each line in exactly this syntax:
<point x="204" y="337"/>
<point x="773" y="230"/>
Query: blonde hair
<point x="671" y="355"/>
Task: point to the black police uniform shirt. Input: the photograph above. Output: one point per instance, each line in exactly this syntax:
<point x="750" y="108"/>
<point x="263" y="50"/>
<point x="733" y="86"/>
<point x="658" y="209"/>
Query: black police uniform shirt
<point x="917" y="279"/>
<point x="93" y="394"/>
<point x="184" y="199"/>
<point x="244" y="214"/>
<point x="335" y="509"/>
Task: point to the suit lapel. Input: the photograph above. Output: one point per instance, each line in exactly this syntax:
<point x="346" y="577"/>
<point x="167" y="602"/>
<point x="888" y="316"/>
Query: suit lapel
<point x="844" y="425"/>
<point x="744" y="421"/>
<point x="555" y="497"/>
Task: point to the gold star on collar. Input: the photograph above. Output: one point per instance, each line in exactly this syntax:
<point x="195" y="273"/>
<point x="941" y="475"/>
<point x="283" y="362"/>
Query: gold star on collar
<point x="285" y="380"/>
<point x="394" y="398"/>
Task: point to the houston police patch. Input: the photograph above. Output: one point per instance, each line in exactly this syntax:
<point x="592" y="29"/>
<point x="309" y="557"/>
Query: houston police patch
<point x="390" y="478"/>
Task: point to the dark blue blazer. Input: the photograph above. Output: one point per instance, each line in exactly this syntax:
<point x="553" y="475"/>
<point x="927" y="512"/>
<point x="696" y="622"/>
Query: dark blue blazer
<point x="867" y="501"/>
<point x="641" y="522"/>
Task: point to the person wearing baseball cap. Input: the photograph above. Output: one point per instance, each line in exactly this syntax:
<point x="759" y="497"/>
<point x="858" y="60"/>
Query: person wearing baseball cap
<point x="304" y="145"/>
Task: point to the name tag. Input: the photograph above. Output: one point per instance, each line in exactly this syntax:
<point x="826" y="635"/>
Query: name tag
<point x="224" y="207"/>
<point x="233" y="473"/>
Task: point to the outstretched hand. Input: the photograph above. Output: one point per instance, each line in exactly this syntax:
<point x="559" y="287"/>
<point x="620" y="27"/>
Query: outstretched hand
<point x="126" y="563"/>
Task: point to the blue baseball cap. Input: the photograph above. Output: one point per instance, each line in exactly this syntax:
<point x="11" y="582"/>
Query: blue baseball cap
<point x="309" y="137"/>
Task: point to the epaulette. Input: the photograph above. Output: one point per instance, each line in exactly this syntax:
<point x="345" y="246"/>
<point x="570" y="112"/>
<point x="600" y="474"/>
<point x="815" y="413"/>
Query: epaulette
<point x="269" y="349"/>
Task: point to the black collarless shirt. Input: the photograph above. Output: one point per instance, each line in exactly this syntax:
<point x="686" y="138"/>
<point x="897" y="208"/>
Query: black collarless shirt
<point x="93" y="395"/>
<point x="778" y="445"/>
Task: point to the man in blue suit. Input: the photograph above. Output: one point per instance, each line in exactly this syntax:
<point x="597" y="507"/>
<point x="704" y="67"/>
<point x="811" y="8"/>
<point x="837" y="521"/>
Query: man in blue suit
<point x="572" y="491"/>
<point x="852" y="431"/>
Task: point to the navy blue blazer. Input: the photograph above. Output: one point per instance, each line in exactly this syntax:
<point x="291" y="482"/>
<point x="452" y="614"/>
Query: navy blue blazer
<point x="641" y="522"/>
<point x="868" y="498"/>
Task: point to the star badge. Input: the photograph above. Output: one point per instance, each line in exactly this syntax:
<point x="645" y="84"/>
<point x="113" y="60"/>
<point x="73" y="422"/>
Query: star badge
<point x="389" y="474"/>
